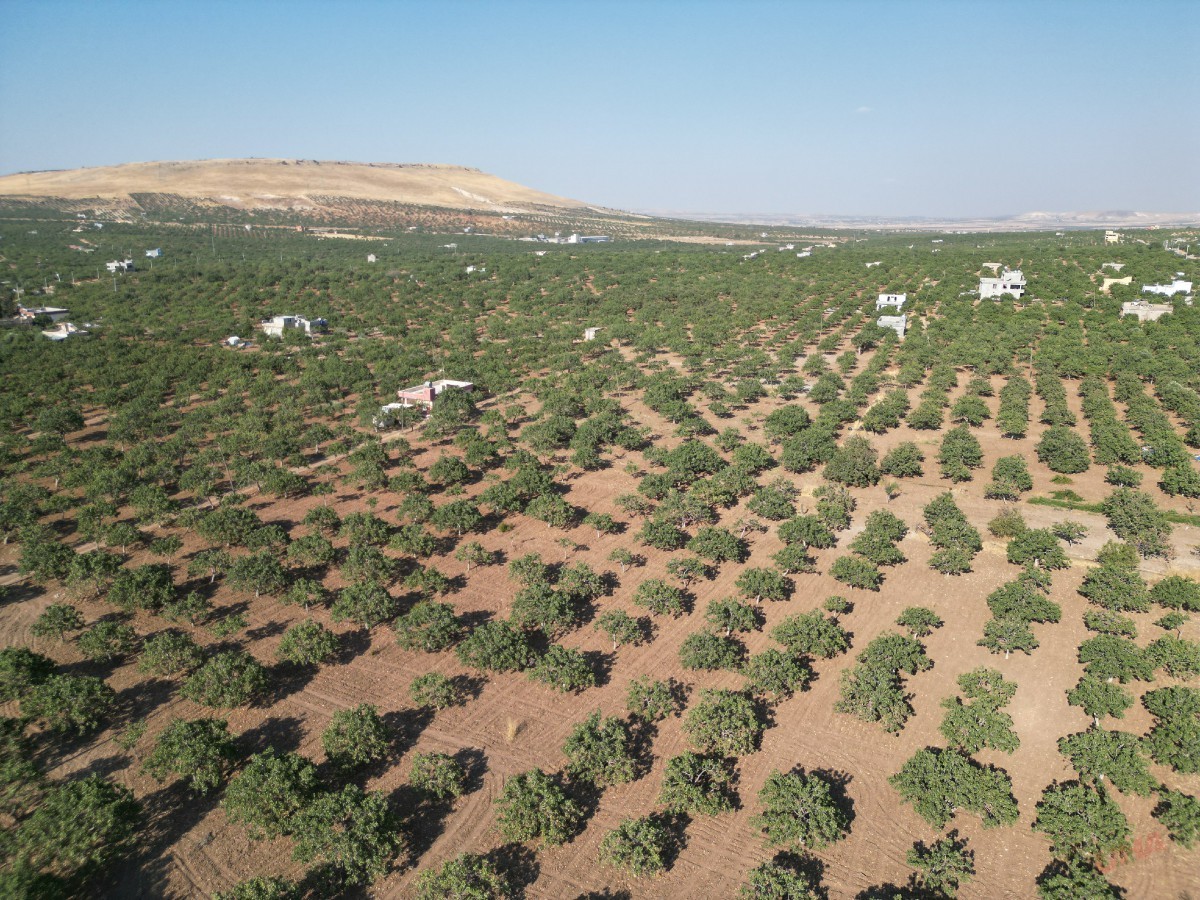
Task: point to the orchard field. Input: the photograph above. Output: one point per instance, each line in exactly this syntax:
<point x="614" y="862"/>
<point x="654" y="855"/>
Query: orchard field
<point x="745" y="597"/>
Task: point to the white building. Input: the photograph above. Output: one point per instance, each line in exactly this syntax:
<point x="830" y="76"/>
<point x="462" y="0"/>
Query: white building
<point x="63" y="330"/>
<point x="370" y="257"/>
<point x="119" y="265"/>
<point x="898" y="324"/>
<point x="1112" y="237"/>
<point x="1009" y="281"/>
<point x="1146" y="311"/>
<point x="1168" y="290"/>
<point x="154" y="254"/>
<point x="589" y="334"/>
<point x="276" y="326"/>
<point x="894" y="300"/>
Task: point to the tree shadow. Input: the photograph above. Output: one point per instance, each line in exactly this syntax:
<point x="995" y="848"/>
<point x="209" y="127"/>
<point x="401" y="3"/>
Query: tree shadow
<point x="809" y="866"/>
<point x="474" y="764"/>
<point x="285" y="679"/>
<point x="281" y="733"/>
<point x="601" y="664"/>
<point x="352" y="645"/>
<point x="271" y="629"/>
<point x="605" y="894"/>
<point x="519" y="864"/>
<point x="405" y="727"/>
<point x="139" y="700"/>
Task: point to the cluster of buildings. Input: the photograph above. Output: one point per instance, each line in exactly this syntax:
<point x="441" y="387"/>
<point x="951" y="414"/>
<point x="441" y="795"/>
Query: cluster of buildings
<point x="557" y="238"/>
<point x="56" y="314"/>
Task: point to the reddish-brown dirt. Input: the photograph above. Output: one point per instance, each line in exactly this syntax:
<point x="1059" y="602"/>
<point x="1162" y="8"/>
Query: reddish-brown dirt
<point x="515" y="724"/>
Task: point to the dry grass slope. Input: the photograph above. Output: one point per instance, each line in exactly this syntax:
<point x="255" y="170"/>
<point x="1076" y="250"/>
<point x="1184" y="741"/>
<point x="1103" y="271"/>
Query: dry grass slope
<point x="286" y="183"/>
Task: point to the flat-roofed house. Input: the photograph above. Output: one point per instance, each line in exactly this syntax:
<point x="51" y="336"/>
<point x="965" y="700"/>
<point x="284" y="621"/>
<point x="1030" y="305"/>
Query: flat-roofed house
<point x="425" y="394"/>
<point x="898" y="324"/>
<point x="1009" y="281"/>
<point x="896" y="301"/>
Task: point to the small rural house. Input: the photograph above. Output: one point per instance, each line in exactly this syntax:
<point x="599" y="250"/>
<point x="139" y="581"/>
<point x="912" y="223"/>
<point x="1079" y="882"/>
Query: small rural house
<point x="1146" y="311"/>
<point x="896" y="323"/>
<point x="155" y="253"/>
<point x="425" y="394"/>
<point x="589" y="334"/>
<point x="1009" y="281"/>
<point x="370" y="257"/>
<point x="276" y="326"/>
<point x="894" y="300"/>
<point x="119" y="265"/>
<point x="53" y="313"/>
<point x="62" y="331"/>
<point x="1112" y="237"/>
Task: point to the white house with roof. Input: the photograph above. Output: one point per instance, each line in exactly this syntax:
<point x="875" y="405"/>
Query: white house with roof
<point x="1009" y="281"/>
<point x="1168" y="290"/>
<point x="119" y="265"/>
<point x="898" y="324"/>
<point x="896" y="301"/>
<point x="276" y="326"/>
<point x="425" y="394"/>
<point x="154" y="254"/>
<point x="63" y="330"/>
<point x="1146" y="311"/>
<point x="1112" y="237"/>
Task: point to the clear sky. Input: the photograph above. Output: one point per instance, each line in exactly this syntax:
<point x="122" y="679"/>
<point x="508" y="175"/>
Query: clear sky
<point x="889" y="107"/>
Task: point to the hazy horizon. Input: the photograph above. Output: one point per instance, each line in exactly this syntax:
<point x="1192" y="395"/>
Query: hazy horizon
<point x="922" y="109"/>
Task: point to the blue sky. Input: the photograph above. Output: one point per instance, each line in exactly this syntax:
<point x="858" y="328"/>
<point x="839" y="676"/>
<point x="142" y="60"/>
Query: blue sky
<point x="860" y="107"/>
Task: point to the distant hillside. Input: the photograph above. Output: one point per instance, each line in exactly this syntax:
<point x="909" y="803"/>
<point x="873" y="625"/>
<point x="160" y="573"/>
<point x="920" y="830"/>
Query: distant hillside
<point x="287" y="184"/>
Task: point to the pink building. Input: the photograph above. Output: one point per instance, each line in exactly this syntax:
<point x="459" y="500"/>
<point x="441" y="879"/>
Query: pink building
<point x="424" y="394"/>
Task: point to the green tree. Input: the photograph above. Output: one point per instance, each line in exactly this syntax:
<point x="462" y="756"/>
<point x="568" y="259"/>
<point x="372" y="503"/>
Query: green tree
<point x="437" y="775"/>
<point x="731" y="615"/>
<point x="760" y="584"/>
<point x="939" y="783"/>
<point x="496" y="646"/>
<point x="200" y="750"/>
<point x="355" y="738"/>
<point x="775" y="674"/>
<point x="227" y="679"/>
<point x="365" y="603"/>
<point x="76" y="703"/>
<point x="428" y="626"/>
<point x="169" y="653"/>
<point x="21" y="670"/>
<point x="1116" y="756"/>
<point x="107" y="642"/>
<point x="308" y="643"/>
<point x="959" y="454"/>
<point x="1180" y="813"/>
<point x="774" y="881"/>
<point x="270" y="792"/>
<point x="1081" y="822"/>
<point x="855" y="463"/>
<point x="905" y="460"/>
<point x="599" y="751"/>
<point x="697" y="784"/>
<point x="702" y="650"/>
<point x="812" y="634"/>
<point x="1062" y="450"/>
<point x="79" y="828"/>
<point x="724" y="722"/>
<point x="640" y="846"/>
<point x="659" y="597"/>
<point x="801" y="811"/>
<point x="260" y="572"/>
<point x="942" y="867"/>
<point x="621" y="628"/>
<point x="261" y="887"/>
<point x="533" y="806"/>
<point x="855" y="571"/>
<point x="465" y="877"/>
<point x="353" y="831"/>
<point x="56" y="620"/>
<point x="434" y="690"/>
<point x="564" y="669"/>
<point x="653" y="701"/>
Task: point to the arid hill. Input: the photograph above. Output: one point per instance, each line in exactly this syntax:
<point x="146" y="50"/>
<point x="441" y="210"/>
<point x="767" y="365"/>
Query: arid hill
<point x="286" y="184"/>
